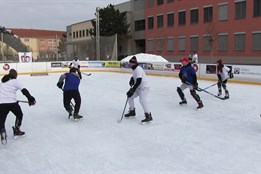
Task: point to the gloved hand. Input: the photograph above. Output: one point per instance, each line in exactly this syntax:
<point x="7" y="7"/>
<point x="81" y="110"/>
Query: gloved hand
<point x="60" y="85"/>
<point x="183" y="80"/>
<point x="195" y="86"/>
<point x="131" y="82"/>
<point x="31" y="101"/>
<point x="231" y="75"/>
<point x="130" y="92"/>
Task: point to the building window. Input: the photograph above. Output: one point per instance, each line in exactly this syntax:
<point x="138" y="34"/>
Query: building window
<point x="208" y="14"/>
<point x="240" y="9"/>
<point x="194" y="16"/>
<point x="239" y="41"/>
<point x="80" y="33"/>
<point x="256" y="38"/>
<point x="159" y="44"/>
<point x="150" y="45"/>
<point x="207" y="42"/>
<point x="182" y="17"/>
<point x="73" y="34"/>
<point x="222" y="42"/>
<point x="170" y="44"/>
<point x="182" y="43"/>
<point x="170" y="18"/>
<point x="77" y="34"/>
<point x="223" y="11"/>
<point x="194" y="43"/>
<point x="170" y="1"/>
<point x="257" y="8"/>
<point x="87" y="32"/>
<point x="150" y="22"/>
<point x="160" y="21"/>
<point x="150" y="3"/>
<point x="159" y="2"/>
<point x="26" y="40"/>
<point x="83" y="33"/>
<point x="140" y="25"/>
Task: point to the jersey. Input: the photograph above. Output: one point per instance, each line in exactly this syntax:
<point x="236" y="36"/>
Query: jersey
<point x="75" y="64"/>
<point x="188" y="73"/>
<point x="72" y="81"/>
<point x="138" y="72"/>
<point x="8" y="91"/>
<point x="224" y="74"/>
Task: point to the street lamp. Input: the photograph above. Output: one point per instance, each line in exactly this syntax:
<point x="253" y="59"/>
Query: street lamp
<point x="97" y="33"/>
<point x="2" y="30"/>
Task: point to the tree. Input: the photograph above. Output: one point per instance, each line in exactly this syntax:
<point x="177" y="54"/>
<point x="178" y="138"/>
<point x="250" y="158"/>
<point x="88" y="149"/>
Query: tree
<point x="112" y="22"/>
<point x="62" y="45"/>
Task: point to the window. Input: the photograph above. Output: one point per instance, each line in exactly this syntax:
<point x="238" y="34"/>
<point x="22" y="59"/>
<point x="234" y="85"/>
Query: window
<point x="159" y="44"/>
<point x="160" y="21"/>
<point x="223" y="11"/>
<point x="87" y="32"/>
<point x="194" y="16"/>
<point x="182" y="17"/>
<point x="150" y="45"/>
<point x="77" y="34"/>
<point x="170" y="18"/>
<point x="182" y="43"/>
<point x="26" y="40"/>
<point x="239" y="41"/>
<point x="150" y="3"/>
<point x="73" y="34"/>
<point x="159" y="2"/>
<point x="194" y="43"/>
<point x="240" y="9"/>
<point x="170" y="44"/>
<point x="83" y="33"/>
<point x="80" y="33"/>
<point x="150" y="22"/>
<point x="223" y="42"/>
<point x="208" y="14"/>
<point x="207" y="41"/>
<point x="140" y="25"/>
<point x="257" y="8"/>
<point x="256" y="38"/>
<point x="170" y="1"/>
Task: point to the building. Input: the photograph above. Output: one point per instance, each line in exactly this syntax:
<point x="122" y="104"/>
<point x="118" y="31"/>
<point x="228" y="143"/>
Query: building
<point x="217" y="29"/>
<point x="42" y="43"/>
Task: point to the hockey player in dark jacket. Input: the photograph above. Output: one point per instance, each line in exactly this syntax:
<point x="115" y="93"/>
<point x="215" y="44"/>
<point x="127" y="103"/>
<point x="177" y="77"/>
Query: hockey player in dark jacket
<point x="71" y="91"/>
<point x="188" y="78"/>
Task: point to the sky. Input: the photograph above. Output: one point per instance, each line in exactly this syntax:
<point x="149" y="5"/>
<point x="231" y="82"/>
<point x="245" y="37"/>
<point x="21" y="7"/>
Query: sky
<point x="222" y="138"/>
<point x="48" y="14"/>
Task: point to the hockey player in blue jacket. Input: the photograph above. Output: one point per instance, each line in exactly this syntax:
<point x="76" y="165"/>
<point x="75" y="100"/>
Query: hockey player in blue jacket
<point x="71" y="91"/>
<point x="188" y="78"/>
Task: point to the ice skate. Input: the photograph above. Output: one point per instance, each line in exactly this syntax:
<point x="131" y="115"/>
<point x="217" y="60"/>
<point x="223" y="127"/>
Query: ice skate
<point x="77" y="117"/>
<point x="18" y="133"/>
<point x="226" y="94"/>
<point x="131" y="113"/>
<point x="183" y="102"/>
<point x="219" y="93"/>
<point x="70" y="112"/>
<point x="200" y="105"/>
<point x="148" y="118"/>
<point x="3" y="137"/>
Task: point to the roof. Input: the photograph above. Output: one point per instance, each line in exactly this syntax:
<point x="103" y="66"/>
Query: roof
<point x="35" y="33"/>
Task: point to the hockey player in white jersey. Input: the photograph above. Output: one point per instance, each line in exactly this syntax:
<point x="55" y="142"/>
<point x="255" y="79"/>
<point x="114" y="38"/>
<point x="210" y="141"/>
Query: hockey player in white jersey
<point x="76" y="64"/>
<point x="139" y="87"/>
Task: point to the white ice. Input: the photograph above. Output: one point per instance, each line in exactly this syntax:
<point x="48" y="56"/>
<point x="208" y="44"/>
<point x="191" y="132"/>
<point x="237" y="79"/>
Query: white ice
<point x="223" y="137"/>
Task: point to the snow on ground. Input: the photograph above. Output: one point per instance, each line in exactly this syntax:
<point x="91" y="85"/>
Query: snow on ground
<point x="223" y="137"/>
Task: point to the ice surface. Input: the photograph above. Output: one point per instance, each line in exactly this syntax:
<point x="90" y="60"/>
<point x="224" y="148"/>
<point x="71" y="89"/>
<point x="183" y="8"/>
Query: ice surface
<point x="223" y="137"/>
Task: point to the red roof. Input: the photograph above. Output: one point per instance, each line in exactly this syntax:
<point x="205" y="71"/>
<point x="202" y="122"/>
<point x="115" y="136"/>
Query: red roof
<point x="33" y="33"/>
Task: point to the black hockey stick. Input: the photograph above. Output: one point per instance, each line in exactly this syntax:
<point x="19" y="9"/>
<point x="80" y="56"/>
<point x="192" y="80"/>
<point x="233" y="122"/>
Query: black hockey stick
<point x="221" y="98"/>
<point x="22" y="101"/>
<point x="87" y="74"/>
<point x="119" y="121"/>
<point x="212" y="85"/>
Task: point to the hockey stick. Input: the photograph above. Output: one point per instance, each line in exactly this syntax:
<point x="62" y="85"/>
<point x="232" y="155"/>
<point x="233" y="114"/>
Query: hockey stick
<point x="212" y="85"/>
<point x="119" y="121"/>
<point x="87" y="74"/>
<point x="21" y="101"/>
<point x="221" y="98"/>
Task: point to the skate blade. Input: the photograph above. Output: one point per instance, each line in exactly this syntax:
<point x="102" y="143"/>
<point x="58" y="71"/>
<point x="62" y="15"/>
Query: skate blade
<point x="75" y="119"/>
<point x="146" y="123"/>
<point x="17" y="137"/>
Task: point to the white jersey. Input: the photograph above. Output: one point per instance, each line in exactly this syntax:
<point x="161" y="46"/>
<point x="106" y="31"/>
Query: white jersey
<point x="195" y="58"/>
<point x="75" y="63"/>
<point x="140" y="73"/>
<point x="8" y="91"/>
<point x="224" y="73"/>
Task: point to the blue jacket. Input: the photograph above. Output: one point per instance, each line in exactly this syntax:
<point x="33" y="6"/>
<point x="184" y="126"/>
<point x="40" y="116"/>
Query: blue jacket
<point x="188" y="74"/>
<point x="72" y="81"/>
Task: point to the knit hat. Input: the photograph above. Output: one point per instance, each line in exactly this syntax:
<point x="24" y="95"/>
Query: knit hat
<point x="184" y="59"/>
<point x="73" y="70"/>
<point x="219" y="61"/>
<point x="13" y="73"/>
<point x="133" y="60"/>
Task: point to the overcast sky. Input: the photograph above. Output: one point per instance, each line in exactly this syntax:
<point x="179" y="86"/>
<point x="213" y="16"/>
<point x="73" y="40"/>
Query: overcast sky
<point x="48" y="14"/>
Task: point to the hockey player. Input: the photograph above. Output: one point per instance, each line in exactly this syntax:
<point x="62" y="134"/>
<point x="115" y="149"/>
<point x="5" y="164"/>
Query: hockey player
<point x="76" y="64"/>
<point x="223" y="74"/>
<point x="71" y="91"/>
<point x="139" y="87"/>
<point x="193" y="57"/>
<point x="8" y="102"/>
<point x="188" y="78"/>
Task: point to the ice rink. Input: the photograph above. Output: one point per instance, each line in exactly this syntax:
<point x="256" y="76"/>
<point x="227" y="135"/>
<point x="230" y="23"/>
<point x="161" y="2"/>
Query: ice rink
<point x="223" y="137"/>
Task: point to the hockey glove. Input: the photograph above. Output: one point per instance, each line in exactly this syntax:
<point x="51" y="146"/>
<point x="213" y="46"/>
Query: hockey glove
<point x="31" y="101"/>
<point x="60" y="85"/>
<point x="130" y="92"/>
<point x="195" y="86"/>
<point x="231" y="75"/>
